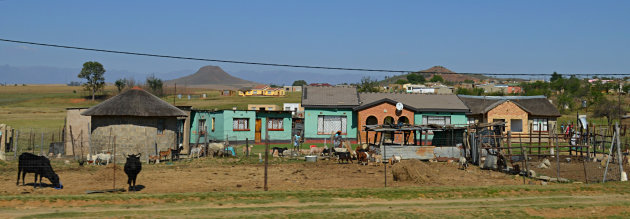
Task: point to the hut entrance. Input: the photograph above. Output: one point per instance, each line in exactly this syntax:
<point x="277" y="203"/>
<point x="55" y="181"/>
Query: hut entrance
<point x="258" y="130"/>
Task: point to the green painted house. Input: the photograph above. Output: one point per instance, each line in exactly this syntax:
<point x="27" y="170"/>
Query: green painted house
<point x="328" y="110"/>
<point x="236" y="126"/>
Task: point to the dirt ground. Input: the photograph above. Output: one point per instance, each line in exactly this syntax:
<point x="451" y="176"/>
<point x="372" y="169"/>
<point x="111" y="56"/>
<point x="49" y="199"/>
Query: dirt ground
<point x="575" y="169"/>
<point x="228" y="174"/>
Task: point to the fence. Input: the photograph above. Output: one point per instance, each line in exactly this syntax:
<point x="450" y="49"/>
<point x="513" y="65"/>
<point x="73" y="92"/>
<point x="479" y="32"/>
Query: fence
<point x="595" y="156"/>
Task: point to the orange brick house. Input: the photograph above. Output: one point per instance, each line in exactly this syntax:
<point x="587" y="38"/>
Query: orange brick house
<point x="520" y="113"/>
<point x="418" y="109"/>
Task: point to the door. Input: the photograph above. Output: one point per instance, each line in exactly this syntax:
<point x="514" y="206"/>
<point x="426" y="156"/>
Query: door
<point x="258" y="130"/>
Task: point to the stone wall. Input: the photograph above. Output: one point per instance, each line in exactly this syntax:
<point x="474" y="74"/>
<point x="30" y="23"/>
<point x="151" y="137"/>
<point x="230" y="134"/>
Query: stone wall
<point x="133" y="135"/>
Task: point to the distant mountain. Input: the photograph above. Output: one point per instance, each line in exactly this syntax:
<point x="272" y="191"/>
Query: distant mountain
<point x="212" y="77"/>
<point x="446" y="73"/>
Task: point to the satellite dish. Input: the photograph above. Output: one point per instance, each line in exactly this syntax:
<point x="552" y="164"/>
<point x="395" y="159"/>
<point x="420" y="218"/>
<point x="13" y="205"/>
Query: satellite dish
<point x="399" y="106"/>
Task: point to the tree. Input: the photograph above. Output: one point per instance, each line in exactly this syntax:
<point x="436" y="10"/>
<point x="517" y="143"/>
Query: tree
<point x="416" y="78"/>
<point x="401" y="81"/>
<point x="555" y="76"/>
<point x="368" y="85"/>
<point x="155" y="85"/>
<point x="607" y="108"/>
<point x="299" y="83"/>
<point x="437" y="78"/>
<point x="93" y="72"/>
<point x="120" y="84"/>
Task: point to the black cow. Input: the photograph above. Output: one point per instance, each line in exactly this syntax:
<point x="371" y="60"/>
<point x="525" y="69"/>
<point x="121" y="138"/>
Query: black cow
<point x="132" y="168"/>
<point x="40" y="165"/>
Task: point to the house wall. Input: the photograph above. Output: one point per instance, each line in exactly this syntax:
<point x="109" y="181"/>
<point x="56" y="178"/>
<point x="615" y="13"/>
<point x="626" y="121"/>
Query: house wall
<point x="80" y="130"/>
<point x="382" y="111"/>
<point x="508" y="111"/>
<point x="224" y="126"/>
<point x="258" y="106"/>
<point x="458" y="119"/>
<point x="133" y="135"/>
<point x="276" y="136"/>
<point x="310" y="122"/>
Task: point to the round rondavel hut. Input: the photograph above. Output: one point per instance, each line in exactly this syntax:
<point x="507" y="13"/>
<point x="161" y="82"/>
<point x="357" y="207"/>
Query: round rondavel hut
<point x="134" y="121"/>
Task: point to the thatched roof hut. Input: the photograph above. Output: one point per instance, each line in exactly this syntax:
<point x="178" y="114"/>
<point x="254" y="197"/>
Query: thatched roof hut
<point x="134" y="102"/>
<point x="134" y="121"/>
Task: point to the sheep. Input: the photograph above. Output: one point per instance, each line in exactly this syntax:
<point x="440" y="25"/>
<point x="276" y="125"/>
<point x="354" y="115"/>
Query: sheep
<point x="395" y="159"/>
<point x="196" y="151"/>
<point x="463" y="163"/>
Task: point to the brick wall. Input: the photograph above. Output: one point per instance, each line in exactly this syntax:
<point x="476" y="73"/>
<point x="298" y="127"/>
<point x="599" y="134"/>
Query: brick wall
<point x="380" y="112"/>
<point x="509" y="111"/>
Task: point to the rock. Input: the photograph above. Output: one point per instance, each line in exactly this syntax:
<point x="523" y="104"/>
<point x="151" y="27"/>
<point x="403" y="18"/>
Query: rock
<point x="542" y="166"/>
<point x="543" y="183"/>
<point x="568" y="159"/>
<point x="563" y="180"/>
<point x="553" y="180"/>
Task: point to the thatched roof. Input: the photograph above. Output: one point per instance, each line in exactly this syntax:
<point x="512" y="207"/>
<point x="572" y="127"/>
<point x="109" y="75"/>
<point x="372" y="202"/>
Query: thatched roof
<point x="534" y="105"/>
<point x="134" y="102"/>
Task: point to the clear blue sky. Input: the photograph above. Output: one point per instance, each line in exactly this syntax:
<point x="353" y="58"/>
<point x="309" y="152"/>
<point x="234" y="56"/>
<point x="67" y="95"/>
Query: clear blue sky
<point x="464" y="36"/>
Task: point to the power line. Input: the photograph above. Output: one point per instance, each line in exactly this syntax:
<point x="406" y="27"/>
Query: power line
<point x="290" y="65"/>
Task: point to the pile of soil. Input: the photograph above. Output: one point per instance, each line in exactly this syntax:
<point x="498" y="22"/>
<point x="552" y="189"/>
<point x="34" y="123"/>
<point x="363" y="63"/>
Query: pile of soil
<point x="413" y="171"/>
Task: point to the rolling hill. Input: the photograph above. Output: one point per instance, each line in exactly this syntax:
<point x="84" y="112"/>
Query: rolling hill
<point x="212" y="77"/>
<point x="428" y="73"/>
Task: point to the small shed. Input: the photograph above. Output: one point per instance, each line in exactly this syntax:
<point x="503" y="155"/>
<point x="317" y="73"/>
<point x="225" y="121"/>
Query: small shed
<point x="138" y="121"/>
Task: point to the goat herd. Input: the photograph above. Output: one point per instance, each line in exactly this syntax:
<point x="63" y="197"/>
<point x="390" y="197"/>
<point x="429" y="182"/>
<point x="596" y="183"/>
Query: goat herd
<point x="40" y="165"/>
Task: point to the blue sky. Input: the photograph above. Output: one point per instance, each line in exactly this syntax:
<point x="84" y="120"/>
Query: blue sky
<point x="464" y="36"/>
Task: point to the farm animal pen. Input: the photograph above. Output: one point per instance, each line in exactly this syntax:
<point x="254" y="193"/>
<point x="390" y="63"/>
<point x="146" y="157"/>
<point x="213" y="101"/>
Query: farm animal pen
<point x="568" y="155"/>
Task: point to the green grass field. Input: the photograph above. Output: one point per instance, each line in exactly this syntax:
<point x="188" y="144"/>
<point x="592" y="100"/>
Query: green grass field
<point x="43" y="106"/>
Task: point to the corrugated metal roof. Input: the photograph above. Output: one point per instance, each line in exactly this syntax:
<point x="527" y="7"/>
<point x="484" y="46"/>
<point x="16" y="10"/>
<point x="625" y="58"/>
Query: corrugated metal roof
<point x="338" y="97"/>
<point x="420" y="102"/>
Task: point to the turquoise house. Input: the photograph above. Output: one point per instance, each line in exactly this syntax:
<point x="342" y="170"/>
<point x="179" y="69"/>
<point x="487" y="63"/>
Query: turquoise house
<point x="328" y="110"/>
<point x="237" y="126"/>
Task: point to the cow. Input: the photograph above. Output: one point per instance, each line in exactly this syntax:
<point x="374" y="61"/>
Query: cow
<point x="40" y="165"/>
<point x="132" y="168"/>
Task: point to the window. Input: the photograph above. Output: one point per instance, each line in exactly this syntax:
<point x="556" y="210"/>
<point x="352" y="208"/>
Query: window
<point x="288" y="108"/>
<point x="371" y="120"/>
<point x="213" y="124"/>
<point x="201" y="127"/>
<point x="330" y="124"/>
<point x="403" y="120"/>
<point x="539" y="125"/>
<point x="160" y="126"/>
<point x="516" y="125"/>
<point x="436" y="120"/>
<point x="275" y="124"/>
<point x="241" y="124"/>
<point x="471" y="121"/>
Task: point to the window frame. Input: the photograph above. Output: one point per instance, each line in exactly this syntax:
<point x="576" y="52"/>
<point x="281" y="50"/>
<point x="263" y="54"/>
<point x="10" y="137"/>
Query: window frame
<point x="239" y="122"/>
<point x="320" y="126"/>
<point x="201" y="126"/>
<point x="278" y="122"/>
<point x="544" y="127"/>
<point x="426" y="119"/>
